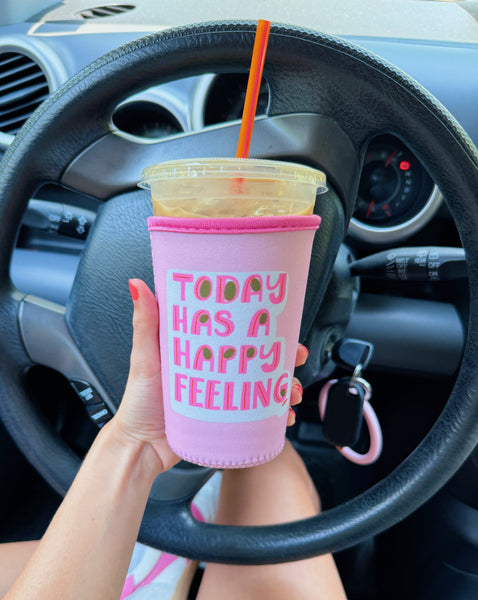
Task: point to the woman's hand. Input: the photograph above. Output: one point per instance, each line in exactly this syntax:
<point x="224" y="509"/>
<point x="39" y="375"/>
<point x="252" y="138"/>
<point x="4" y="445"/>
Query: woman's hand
<point x="140" y="415"/>
<point x="296" y="394"/>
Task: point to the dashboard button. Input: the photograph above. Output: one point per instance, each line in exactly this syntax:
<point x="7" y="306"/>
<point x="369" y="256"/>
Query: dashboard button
<point x="99" y="413"/>
<point x="97" y="410"/>
<point x="86" y="392"/>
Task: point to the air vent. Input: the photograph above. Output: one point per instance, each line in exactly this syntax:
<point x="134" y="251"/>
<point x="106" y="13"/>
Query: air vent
<point x="23" y="87"/>
<point x="110" y="10"/>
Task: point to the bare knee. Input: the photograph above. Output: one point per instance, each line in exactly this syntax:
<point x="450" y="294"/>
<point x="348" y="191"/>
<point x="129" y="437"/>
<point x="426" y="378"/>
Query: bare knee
<point x="275" y="492"/>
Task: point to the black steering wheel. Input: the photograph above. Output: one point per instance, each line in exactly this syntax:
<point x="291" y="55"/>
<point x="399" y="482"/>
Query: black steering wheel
<point x="327" y="99"/>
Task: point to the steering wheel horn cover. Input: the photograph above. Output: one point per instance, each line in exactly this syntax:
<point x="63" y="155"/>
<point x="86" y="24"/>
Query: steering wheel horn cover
<point x="307" y="72"/>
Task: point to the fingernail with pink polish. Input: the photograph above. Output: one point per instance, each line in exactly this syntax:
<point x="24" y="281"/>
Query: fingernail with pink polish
<point x="133" y="290"/>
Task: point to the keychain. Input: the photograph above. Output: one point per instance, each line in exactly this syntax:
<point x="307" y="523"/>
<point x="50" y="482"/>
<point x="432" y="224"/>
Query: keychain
<point x="344" y="404"/>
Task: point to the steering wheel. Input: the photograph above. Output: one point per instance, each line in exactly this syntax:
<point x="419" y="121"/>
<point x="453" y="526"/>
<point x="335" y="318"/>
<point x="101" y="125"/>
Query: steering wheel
<point x="327" y="99"/>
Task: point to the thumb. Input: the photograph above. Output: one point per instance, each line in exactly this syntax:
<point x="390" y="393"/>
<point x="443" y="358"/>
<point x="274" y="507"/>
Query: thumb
<point x="145" y="356"/>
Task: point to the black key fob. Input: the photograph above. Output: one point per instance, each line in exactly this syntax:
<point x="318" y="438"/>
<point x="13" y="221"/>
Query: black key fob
<point x="343" y="415"/>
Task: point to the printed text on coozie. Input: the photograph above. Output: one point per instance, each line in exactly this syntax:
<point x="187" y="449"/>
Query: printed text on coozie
<point x="226" y="363"/>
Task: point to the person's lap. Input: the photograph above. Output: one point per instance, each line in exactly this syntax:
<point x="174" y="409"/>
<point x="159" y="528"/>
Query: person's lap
<point x="276" y="492"/>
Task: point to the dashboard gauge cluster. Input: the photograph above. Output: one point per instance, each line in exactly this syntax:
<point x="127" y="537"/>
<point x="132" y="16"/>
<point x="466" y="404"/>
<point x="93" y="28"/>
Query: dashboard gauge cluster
<point x="391" y="185"/>
<point x="396" y="195"/>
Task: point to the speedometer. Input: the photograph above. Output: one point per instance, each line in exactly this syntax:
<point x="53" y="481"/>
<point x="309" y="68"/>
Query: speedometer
<point x="394" y="186"/>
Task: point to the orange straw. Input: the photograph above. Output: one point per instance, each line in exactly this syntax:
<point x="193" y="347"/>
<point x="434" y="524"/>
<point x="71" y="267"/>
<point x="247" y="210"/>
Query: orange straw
<point x="253" y="87"/>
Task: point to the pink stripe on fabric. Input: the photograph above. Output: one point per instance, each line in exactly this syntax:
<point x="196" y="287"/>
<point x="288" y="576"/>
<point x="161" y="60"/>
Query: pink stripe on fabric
<point x="128" y="587"/>
<point x="234" y="224"/>
<point x="162" y="563"/>
<point x="197" y="514"/>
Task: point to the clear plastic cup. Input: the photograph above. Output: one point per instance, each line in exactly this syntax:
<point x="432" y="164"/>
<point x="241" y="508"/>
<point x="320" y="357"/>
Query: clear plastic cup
<point x="230" y="187"/>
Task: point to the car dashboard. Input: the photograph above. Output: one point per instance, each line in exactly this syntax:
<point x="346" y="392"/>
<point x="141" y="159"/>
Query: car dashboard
<point x="397" y="199"/>
<point x="398" y="203"/>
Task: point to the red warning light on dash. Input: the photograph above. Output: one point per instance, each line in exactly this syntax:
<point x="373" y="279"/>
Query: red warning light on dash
<point x="404" y="165"/>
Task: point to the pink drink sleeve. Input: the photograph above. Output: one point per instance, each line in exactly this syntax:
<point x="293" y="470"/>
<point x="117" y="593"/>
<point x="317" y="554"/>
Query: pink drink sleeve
<point x="231" y="294"/>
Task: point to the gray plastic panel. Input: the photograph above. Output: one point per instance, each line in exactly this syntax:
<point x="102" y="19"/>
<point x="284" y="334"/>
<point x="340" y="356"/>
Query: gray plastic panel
<point x="414" y="336"/>
<point x="49" y="275"/>
<point x="297" y="137"/>
<point x="48" y="342"/>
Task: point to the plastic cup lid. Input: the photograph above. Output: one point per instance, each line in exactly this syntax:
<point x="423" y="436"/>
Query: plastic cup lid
<point x="228" y="168"/>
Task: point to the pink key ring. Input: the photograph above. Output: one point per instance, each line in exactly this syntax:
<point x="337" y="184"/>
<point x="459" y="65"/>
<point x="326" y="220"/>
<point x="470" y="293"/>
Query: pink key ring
<point x="371" y="419"/>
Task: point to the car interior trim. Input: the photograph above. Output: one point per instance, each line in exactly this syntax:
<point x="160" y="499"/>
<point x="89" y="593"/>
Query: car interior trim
<point x="294" y="137"/>
<point x="49" y="62"/>
<point x="389" y="235"/>
<point x="49" y="343"/>
<point x="201" y="96"/>
<point x="405" y="336"/>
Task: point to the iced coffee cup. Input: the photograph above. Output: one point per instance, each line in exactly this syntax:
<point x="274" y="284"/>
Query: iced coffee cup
<point x="231" y="242"/>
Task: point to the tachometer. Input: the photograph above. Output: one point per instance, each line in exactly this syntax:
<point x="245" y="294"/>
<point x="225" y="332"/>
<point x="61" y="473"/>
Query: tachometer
<point x="393" y="187"/>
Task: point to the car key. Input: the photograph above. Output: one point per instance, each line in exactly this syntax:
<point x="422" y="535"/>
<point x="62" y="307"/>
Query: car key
<point x="343" y="415"/>
<point x="349" y="352"/>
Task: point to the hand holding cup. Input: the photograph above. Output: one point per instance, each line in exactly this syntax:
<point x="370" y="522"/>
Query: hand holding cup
<point x="141" y="413"/>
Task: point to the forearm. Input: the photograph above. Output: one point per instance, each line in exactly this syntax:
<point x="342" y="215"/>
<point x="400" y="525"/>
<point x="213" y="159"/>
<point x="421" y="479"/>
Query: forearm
<point x="86" y="550"/>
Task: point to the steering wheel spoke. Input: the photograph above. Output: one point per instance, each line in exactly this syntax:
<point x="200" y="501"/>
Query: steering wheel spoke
<point x="294" y="137"/>
<point x="48" y="342"/>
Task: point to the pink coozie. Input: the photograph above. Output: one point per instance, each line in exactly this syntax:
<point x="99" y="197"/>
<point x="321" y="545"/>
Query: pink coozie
<point x="231" y="293"/>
